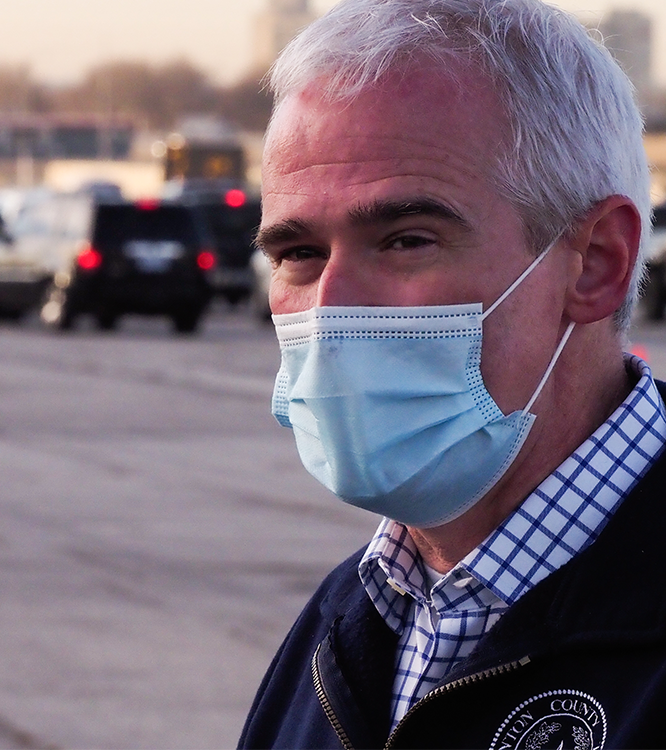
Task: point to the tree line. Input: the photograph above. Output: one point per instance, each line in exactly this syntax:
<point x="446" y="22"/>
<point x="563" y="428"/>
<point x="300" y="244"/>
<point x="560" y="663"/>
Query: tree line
<point x="156" y="95"/>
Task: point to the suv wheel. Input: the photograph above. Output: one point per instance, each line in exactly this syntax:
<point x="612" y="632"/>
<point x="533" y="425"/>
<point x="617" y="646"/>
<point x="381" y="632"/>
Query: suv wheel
<point x="107" y="320"/>
<point x="186" y="321"/>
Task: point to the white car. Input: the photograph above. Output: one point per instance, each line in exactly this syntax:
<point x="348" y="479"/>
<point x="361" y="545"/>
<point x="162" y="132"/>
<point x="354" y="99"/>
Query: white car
<point x="261" y="270"/>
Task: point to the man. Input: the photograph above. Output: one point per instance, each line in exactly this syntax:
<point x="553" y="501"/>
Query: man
<point x="455" y="197"/>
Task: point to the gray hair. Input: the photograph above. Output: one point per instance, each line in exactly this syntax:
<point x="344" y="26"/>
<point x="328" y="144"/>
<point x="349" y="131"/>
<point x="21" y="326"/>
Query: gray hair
<point x="576" y="130"/>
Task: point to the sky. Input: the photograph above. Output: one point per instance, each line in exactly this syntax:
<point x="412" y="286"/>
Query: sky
<point x="59" y="40"/>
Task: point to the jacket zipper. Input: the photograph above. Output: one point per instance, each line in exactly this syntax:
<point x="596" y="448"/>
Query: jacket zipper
<point x="468" y="680"/>
<point x="326" y="704"/>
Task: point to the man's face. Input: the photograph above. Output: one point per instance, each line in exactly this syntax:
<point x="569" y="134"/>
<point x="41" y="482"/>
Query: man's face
<point x="388" y="200"/>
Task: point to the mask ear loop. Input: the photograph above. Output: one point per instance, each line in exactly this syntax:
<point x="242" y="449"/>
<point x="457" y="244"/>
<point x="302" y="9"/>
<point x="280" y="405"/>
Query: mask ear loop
<point x="549" y="369"/>
<point x="517" y="282"/>
<point x="565" y="336"/>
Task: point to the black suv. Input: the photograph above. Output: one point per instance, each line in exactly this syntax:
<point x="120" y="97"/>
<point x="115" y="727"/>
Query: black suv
<point x="148" y="257"/>
<point x="232" y="215"/>
<point x="654" y="291"/>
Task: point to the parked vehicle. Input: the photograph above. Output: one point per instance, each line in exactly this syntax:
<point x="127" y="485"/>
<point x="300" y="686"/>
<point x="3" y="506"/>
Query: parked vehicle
<point x="261" y="270"/>
<point x="221" y="158"/>
<point x="148" y="257"/>
<point x="22" y="283"/>
<point x="30" y="245"/>
<point x="205" y="165"/>
<point x="654" y="293"/>
<point x="232" y="216"/>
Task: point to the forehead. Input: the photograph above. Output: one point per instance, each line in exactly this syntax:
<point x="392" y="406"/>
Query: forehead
<point x="415" y="125"/>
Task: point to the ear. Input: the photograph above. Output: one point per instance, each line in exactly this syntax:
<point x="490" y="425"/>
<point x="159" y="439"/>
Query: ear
<point x="605" y="243"/>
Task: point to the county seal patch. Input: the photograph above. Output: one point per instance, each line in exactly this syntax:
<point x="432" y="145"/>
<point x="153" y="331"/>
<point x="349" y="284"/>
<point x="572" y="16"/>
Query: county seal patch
<point x="562" y="719"/>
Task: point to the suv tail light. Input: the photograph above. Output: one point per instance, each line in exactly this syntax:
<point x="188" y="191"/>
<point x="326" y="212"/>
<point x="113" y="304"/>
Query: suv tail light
<point x="206" y="260"/>
<point x="89" y="259"/>
<point x="234" y="198"/>
<point x="147" y="204"/>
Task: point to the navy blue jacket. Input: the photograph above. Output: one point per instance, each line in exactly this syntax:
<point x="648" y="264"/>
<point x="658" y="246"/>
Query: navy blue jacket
<point x="578" y="662"/>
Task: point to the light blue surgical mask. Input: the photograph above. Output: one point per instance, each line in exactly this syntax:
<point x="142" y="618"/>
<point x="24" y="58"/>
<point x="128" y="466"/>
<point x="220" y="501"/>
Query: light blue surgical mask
<point x="389" y="409"/>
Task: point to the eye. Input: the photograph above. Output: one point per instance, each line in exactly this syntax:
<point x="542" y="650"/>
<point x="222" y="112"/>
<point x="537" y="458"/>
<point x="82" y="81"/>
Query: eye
<point x="410" y="242"/>
<point x="296" y="265"/>
<point x="304" y="252"/>
<point x="298" y="254"/>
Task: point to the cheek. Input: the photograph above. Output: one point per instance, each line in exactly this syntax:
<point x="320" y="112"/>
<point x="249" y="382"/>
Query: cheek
<point x="284" y="298"/>
<point x="517" y="348"/>
<point x="507" y="371"/>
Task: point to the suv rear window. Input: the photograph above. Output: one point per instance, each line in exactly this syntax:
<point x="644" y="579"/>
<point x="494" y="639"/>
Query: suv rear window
<point x="115" y="225"/>
<point x="222" y="219"/>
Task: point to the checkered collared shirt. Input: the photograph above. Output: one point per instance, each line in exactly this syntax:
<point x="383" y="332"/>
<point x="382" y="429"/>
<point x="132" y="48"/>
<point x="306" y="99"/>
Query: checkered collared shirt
<point x="439" y="620"/>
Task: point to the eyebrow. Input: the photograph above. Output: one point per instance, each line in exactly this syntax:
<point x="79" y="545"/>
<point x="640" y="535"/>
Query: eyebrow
<point x="388" y="211"/>
<point x="364" y="215"/>
<point x="283" y="231"/>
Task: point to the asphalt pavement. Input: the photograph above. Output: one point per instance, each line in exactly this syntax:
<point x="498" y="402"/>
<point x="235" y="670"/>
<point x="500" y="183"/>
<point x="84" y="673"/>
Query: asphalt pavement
<point x="157" y="533"/>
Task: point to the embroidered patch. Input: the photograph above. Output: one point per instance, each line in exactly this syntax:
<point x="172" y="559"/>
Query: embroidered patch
<point x="562" y="719"/>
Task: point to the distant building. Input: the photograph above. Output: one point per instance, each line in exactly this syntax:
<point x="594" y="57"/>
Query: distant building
<point x="29" y="142"/>
<point x="57" y="136"/>
<point x="628" y="35"/>
<point x="277" y="26"/>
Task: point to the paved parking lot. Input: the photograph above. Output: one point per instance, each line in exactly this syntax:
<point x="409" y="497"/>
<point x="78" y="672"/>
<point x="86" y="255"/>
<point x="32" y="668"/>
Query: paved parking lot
<point x="158" y="534"/>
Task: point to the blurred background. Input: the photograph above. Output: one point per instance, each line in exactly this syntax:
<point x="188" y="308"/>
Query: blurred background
<point x="158" y="534"/>
<point x="112" y="82"/>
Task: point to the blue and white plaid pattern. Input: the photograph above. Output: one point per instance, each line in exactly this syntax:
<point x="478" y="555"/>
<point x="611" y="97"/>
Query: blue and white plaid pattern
<point x="439" y="625"/>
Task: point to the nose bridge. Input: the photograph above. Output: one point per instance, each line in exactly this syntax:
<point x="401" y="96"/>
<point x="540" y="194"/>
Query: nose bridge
<point x="344" y="280"/>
